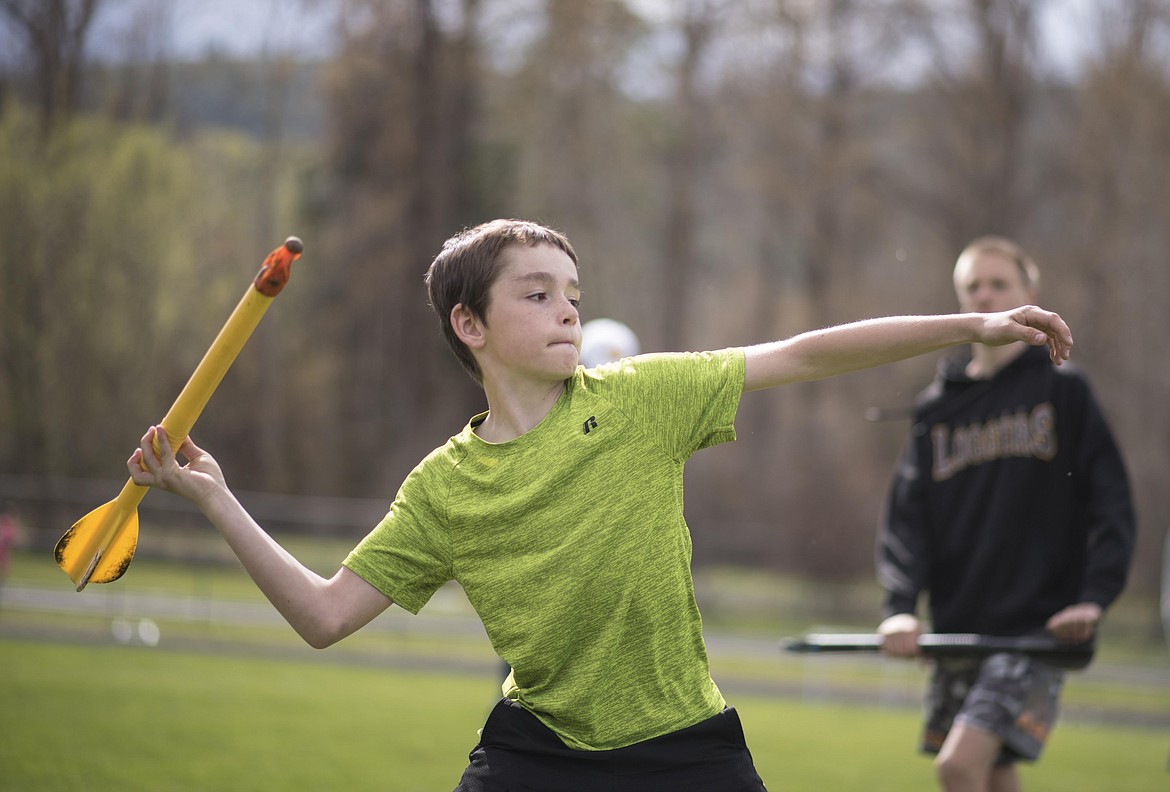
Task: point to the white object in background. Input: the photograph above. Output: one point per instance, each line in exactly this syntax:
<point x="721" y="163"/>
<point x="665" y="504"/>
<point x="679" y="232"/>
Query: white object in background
<point x="606" y="340"/>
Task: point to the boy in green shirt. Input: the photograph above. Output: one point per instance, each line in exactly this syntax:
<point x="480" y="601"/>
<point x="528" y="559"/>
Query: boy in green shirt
<point x="559" y="511"/>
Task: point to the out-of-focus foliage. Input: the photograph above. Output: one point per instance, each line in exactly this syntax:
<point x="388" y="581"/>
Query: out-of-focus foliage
<point x="51" y="35"/>
<point x="730" y="172"/>
<point x="123" y="252"/>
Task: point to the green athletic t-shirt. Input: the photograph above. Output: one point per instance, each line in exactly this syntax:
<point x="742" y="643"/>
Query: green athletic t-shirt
<point x="571" y="545"/>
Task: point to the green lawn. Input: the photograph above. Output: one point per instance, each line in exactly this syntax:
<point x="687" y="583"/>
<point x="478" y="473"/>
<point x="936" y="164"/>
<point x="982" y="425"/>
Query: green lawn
<point x="105" y="717"/>
<point x="221" y="706"/>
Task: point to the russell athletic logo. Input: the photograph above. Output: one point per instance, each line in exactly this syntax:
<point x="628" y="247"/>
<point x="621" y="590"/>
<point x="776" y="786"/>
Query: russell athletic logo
<point x="590" y="423"/>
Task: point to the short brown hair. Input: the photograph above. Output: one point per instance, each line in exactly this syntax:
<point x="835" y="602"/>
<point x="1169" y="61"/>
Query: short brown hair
<point x="467" y="266"/>
<point x="1008" y="249"/>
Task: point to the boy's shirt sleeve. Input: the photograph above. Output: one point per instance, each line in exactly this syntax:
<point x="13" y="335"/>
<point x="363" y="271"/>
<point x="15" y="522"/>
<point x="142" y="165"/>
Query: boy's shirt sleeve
<point x="407" y="555"/>
<point x="686" y="401"/>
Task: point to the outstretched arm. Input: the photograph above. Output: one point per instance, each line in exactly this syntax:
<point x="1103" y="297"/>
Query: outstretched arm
<point x="873" y="342"/>
<point x="322" y="611"/>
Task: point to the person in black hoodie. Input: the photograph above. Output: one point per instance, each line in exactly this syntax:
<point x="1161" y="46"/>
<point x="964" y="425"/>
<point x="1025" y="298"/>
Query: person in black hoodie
<point x="1010" y="508"/>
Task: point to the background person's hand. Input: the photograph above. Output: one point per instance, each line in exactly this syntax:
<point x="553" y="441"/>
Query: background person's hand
<point x="1075" y="623"/>
<point x="900" y="635"/>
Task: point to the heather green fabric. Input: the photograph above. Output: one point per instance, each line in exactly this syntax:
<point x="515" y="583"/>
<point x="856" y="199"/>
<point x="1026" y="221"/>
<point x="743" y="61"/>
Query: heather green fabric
<point x="570" y="543"/>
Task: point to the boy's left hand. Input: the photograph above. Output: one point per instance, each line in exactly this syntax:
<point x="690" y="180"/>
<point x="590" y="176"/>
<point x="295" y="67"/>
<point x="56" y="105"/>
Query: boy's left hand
<point x="1031" y="325"/>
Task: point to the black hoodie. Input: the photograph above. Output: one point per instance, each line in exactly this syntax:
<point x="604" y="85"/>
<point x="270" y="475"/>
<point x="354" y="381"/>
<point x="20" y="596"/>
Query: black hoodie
<point x="1009" y="503"/>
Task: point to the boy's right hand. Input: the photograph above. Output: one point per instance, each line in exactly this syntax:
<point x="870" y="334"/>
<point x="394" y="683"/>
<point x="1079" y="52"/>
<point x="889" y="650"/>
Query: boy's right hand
<point x="1032" y="325"/>
<point x="160" y="468"/>
<point x="900" y="635"/>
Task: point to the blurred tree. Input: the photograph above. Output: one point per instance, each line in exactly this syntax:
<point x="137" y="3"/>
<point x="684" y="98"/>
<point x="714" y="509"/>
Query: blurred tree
<point x="730" y="172"/>
<point x="120" y="256"/>
<point x="971" y="144"/>
<point x="81" y="261"/>
<point x="688" y="153"/>
<point x="401" y="97"/>
<point x="836" y="150"/>
<point x="1115" y="239"/>
<point x="565" y="96"/>
<point x="804" y="119"/>
<point x="138" y="88"/>
<point x="54" y="32"/>
<point x="278" y="66"/>
<point x="583" y="154"/>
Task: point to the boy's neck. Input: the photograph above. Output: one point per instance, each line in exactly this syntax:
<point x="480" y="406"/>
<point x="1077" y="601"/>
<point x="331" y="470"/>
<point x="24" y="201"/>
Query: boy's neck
<point x="514" y="411"/>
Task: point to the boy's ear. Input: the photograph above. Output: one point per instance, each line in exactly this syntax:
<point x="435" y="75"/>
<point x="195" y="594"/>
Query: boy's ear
<point x="467" y="326"/>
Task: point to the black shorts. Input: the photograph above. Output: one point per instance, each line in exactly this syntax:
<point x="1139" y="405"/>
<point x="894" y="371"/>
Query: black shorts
<point x="518" y="753"/>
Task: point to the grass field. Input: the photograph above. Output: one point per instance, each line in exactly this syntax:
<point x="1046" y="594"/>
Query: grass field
<point x="246" y="706"/>
<point x="132" y="718"/>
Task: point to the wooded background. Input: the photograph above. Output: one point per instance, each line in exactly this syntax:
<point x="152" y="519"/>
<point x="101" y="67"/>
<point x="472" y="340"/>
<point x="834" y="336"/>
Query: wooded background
<point x="730" y="172"/>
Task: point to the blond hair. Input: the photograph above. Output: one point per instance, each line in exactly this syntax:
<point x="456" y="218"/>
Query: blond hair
<point x="1008" y="249"/>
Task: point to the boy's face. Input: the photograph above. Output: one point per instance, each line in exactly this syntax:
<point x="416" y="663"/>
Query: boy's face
<point x="532" y="327"/>
<point x="989" y="281"/>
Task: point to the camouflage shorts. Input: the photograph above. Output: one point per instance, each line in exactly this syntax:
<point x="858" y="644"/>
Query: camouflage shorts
<point x="1009" y="695"/>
